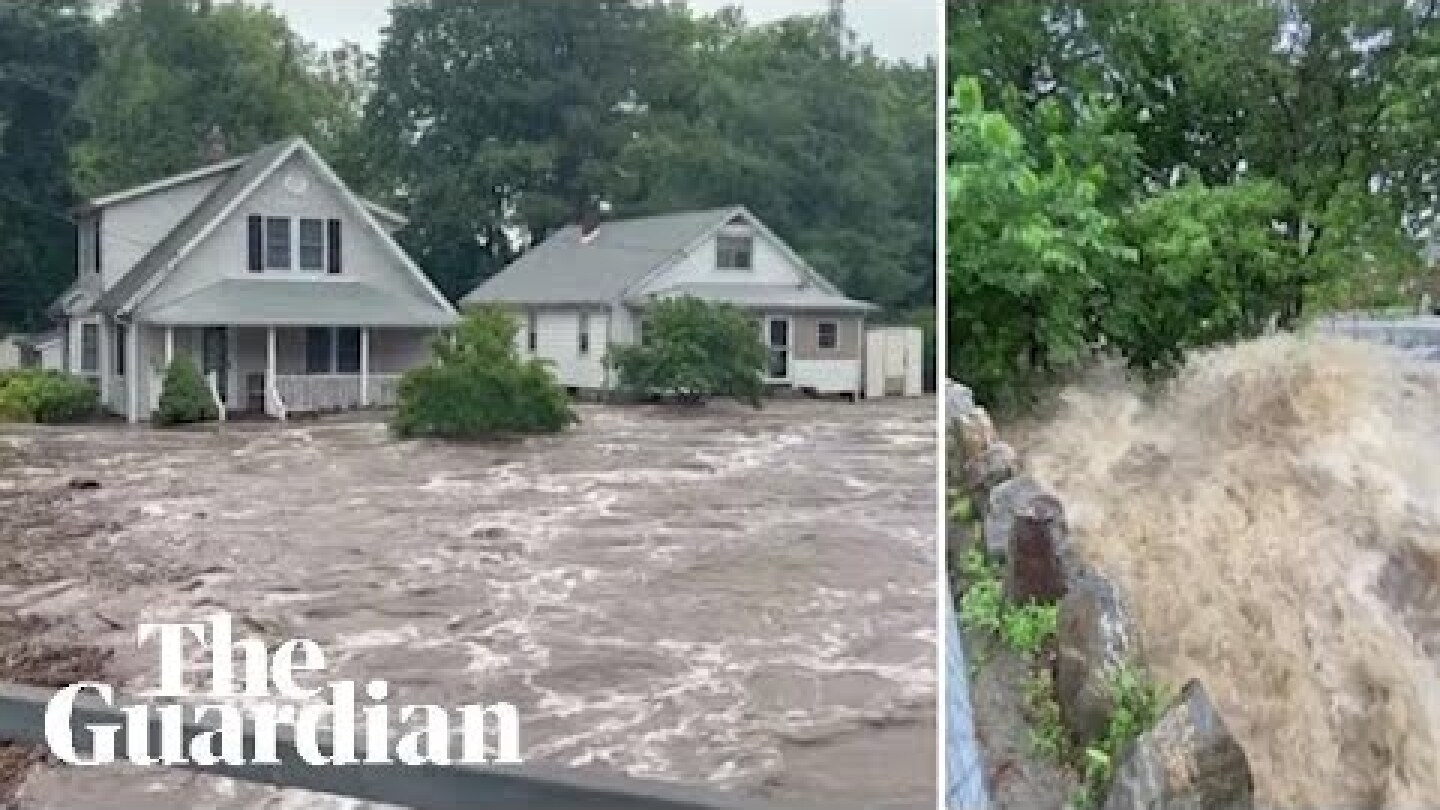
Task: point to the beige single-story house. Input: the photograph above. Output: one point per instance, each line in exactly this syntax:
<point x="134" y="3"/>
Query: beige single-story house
<point x="287" y="289"/>
<point x="586" y="289"/>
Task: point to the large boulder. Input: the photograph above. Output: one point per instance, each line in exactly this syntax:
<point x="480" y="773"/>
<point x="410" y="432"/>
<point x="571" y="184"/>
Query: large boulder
<point x="959" y="400"/>
<point x="1189" y="761"/>
<point x="994" y="466"/>
<point x="1033" y="560"/>
<point x="1009" y="497"/>
<point x="1096" y="635"/>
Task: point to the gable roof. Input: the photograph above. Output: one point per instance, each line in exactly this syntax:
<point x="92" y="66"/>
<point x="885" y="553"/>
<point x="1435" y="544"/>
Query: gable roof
<point x="221" y="203"/>
<point x="150" y="267"/>
<point x="622" y="256"/>
<point x="565" y="270"/>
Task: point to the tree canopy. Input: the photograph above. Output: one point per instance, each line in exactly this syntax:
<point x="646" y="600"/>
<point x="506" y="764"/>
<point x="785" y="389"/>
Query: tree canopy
<point x="47" y="49"/>
<point x="1266" y="160"/>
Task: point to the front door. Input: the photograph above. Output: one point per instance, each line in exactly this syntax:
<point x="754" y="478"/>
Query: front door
<point x="216" y="357"/>
<point x="778" y="332"/>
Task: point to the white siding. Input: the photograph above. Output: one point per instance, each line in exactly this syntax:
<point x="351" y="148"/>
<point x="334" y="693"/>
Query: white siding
<point x="224" y="252"/>
<point x="826" y="376"/>
<point x="770" y="265"/>
<point x="128" y="230"/>
<point x="558" y="341"/>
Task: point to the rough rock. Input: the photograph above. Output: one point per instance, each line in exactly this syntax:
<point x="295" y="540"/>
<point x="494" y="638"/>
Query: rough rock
<point x="1007" y="498"/>
<point x="996" y="465"/>
<point x="1033" y="568"/>
<point x="976" y="432"/>
<point x="1189" y="761"/>
<point x="1096" y="635"/>
<point x="959" y="400"/>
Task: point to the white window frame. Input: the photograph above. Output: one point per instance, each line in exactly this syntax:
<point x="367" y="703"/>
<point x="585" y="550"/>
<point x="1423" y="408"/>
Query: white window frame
<point x="582" y="334"/>
<point x="820" y="335"/>
<point x="721" y="252"/>
<point x="532" y="332"/>
<point x="299" y="230"/>
<point x="84" y="327"/>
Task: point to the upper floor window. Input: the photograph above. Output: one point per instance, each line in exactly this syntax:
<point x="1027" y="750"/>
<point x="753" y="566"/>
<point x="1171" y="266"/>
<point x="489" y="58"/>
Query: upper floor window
<point x="274" y="244"/>
<point x="312" y="245"/>
<point x="277" y="243"/>
<point x="734" y="252"/>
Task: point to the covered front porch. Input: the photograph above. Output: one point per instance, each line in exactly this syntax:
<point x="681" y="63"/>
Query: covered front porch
<point x="277" y="371"/>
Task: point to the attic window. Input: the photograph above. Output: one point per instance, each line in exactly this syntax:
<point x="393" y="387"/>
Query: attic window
<point x="734" y="251"/>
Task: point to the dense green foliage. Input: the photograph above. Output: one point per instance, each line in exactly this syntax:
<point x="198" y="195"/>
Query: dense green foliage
<point x="185" y="395"/>
<point x="652" y="108"/>
<point x="46" y="49"/>
<point x="692" y="350"/>
<point x="1253" y="162"/>
<point x="48" y="397"/>
<point x="479" y="387"/>
<point x="170" y="70"/>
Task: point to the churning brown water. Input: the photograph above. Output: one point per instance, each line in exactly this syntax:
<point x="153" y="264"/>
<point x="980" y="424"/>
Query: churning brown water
<point x="1274" y="518"/>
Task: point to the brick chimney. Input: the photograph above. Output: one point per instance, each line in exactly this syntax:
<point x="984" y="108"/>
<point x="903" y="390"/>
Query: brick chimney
<point x="588" y="220"/>
<point x="215" y="148"/>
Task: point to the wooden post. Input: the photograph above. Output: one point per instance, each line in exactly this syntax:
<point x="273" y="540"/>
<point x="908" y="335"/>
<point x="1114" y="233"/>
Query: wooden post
<point x="105" y="347"/>
<point x="364" y="366"/>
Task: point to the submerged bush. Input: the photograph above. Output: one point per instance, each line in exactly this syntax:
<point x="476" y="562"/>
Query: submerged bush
<point x="694" y="349"/>
<point x="479" y="387"/>
<point x="49" y="397"/>
<point x="186" y="398"/>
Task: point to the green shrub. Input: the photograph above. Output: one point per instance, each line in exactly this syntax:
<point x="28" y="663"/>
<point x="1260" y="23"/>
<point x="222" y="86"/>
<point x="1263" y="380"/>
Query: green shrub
<point x="185" y="398"/>
<point x="48" y="397"/>
<point x="694" y="349"/>
<point x="479" y="387"/>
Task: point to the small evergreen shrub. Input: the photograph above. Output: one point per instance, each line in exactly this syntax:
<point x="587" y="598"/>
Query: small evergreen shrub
<point x="693" y="350"/>
<point x="185" y="398"/>
<point x="479" y="387"/>
<point x="47" y="397"/>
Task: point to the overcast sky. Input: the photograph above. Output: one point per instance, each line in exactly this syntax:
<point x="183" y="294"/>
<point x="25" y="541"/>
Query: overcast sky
<point x="900" y="29"/>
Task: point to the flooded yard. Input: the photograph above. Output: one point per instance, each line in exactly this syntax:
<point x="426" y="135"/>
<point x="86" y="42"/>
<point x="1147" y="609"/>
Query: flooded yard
<point x="744" y="599"/>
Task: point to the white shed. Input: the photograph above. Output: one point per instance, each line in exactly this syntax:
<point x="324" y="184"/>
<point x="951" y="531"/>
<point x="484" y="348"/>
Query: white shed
<point x="893" y="362"/>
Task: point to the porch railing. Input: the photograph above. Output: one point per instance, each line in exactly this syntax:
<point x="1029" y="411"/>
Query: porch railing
<point x="212" y="380"/>
<point x="319" y="393"/>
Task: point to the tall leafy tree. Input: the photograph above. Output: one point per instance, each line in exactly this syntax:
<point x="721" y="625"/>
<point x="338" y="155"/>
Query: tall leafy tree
<point x="171" y="70"/>
<point x="1321" y="97"/>
<point x="46" y="50"/>
<point x="830" y="145"/>
<point x="501" y="119"/>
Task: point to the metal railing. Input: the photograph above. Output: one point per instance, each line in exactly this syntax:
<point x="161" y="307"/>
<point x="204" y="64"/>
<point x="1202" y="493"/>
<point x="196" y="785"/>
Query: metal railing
<point x="424" y="787"/>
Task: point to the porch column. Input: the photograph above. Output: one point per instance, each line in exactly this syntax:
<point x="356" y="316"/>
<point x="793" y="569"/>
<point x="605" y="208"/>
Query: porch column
<point x="269" y="367"/>
<point x="169" y="346"/>
<point x="364" y="366"/>
<point x="105" y="346"/>
<point x="132" y="372"/>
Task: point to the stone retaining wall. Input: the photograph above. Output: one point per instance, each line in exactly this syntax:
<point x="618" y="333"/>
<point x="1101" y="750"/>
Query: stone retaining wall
<point x="1189" y="759"/>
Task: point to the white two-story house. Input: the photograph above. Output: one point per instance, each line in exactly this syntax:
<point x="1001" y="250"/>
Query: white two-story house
<point x="286" y="289"/>
<point x="586" y="289"/>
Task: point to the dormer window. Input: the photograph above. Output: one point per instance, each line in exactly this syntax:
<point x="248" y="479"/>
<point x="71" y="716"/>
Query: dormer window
<point x="734" y="251"/>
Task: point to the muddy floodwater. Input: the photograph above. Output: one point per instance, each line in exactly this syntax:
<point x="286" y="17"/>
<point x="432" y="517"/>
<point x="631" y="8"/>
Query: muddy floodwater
<point x="732" y="598"/>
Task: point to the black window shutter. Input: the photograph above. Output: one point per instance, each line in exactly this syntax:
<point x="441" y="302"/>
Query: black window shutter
<point x="256" y="243"/>
<point x="334" y="242"/>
